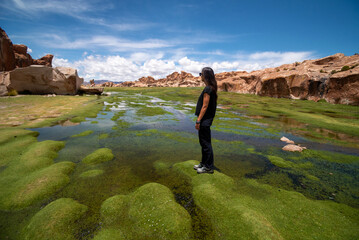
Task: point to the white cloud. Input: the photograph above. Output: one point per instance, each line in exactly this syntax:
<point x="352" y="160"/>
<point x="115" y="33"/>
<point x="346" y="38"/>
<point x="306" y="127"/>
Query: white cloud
<point x="140" y="64"/>
<point x="29" y="50"/>
<point x="61" y="62"/>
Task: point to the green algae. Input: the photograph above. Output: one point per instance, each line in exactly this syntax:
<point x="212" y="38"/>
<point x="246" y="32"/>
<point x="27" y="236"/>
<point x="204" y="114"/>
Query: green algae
<point x="83" y="134"/>
<point x="330" y="156"/>
<point x="110" y="234"/>
<point x="103" y="136"/>
<point x="150" y="212"/>
<point x="55" y="221"/>
<point x="252" y="210"/>
<point x="99" y="156"/>
<point x="92" y="173"/>
<point x="151" y="111"/>
<point x="94" y="122"/>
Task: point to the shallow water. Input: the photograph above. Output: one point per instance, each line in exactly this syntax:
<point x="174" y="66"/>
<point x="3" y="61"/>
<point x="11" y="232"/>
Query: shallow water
<point x="138" y="141"/>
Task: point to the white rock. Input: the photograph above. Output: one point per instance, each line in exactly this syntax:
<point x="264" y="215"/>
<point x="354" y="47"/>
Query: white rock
<point x="293" y="148"/>
<point x="284" y="139"/>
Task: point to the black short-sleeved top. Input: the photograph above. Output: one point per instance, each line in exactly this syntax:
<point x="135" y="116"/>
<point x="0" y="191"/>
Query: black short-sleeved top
<point x="212" y="106"/>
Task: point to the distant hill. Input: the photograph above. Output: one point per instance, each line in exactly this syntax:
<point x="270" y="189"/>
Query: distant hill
<point x="103" y="81"/>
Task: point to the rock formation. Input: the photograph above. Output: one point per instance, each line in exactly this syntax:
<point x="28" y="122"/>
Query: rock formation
<point x="175" y="79"/>
<point x="7" y="56"/>
<point x="334" y="78"/>
<point x="39" y="79"/>
<point x="18" y="71"/>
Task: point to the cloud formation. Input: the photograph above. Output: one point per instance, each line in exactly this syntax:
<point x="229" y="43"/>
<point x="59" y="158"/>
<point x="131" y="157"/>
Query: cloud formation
<point x="140" y="64"/>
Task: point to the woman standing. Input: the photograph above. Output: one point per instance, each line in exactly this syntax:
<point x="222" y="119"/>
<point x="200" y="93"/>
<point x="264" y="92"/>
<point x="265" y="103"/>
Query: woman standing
<point x="205" y="112"/>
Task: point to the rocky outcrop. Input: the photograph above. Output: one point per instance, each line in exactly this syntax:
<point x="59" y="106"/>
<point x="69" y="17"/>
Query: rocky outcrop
<point x="334" y="78"/>
<point x="175" y="79"/>
<point x="7" y="56"/>
<point x="91" y="90"/>
<point x="22" y="58"/>
<point x="38" y="79"/>
<point x="18" y="71"/>
<point x="45" y="60"/>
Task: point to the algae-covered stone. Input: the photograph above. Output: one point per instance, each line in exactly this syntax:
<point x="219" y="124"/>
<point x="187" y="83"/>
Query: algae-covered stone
<point x="99" y="156"/>
<point x="252" y="210"/>
<point x="91" y="173"/>
<point x="55" y="221"/>
<point x="151" y="212"/>
<point x="85" y="133"/>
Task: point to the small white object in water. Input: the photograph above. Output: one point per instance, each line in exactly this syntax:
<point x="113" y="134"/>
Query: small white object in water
<point x="293" y="148"/>
<point x="284" y="139"/>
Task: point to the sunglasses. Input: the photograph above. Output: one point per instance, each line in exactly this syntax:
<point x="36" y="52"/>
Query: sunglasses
<point x="200" y="74"/>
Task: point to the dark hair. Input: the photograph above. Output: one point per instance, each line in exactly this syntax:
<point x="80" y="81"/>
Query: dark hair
<point x="210" y="79"/>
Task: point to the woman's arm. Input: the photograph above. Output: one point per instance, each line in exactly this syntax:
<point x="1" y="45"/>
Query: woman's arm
<point x="203" y="109"/>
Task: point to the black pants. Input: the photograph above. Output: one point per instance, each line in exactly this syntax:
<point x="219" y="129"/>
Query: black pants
<point x="204" y="135"/>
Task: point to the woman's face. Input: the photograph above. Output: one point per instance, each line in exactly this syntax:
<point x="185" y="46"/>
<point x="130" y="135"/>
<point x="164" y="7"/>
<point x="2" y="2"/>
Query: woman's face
<point x="202" y="77"/>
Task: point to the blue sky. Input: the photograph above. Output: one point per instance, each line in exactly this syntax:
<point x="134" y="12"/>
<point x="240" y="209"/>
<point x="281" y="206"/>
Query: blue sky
<point x="125" y="40"/>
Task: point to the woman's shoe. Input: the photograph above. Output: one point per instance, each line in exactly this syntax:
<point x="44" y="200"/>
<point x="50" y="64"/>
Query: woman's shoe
<point x="204" y="170"/>
<point x="195" y="167"/>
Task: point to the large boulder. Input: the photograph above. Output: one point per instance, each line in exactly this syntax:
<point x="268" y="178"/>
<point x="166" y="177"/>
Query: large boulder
<point x="4" y="83"/>
<point x="37" y="79"/>
<point x="7" y="56"/>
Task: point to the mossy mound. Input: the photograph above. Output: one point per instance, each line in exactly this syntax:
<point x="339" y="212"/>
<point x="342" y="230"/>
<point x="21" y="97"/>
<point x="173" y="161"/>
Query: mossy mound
<point x="85" y="133"/>
<point x="55" y="221"/>
<point x="13" y="143"/>
<point x="91" y="173"/>
<point x="252" y="210"/>
<point x="109" y="234"/>
<point x="151" y="212"/>
<point x="31" y="175"/>
<point x="99" y="156"/>
<point x="103" y="136"/>
<point x="25" y="190"/>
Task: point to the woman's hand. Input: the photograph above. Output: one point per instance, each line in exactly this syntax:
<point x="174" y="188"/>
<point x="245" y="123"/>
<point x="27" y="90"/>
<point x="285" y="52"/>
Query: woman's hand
<point x="197" y="126"/>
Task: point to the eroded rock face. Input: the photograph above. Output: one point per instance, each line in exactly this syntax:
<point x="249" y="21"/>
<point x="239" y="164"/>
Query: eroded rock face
<point x="311" y="79"/>
<point x="343" y="88"/>
<point x="43" y="80"/>
<point x="22" y="58"/>
<point x="45" y="60"/>
<point x="7" y="56"/>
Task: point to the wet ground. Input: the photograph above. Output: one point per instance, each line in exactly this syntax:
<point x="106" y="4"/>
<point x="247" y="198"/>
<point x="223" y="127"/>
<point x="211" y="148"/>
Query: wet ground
<point x="144" y="130"/>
